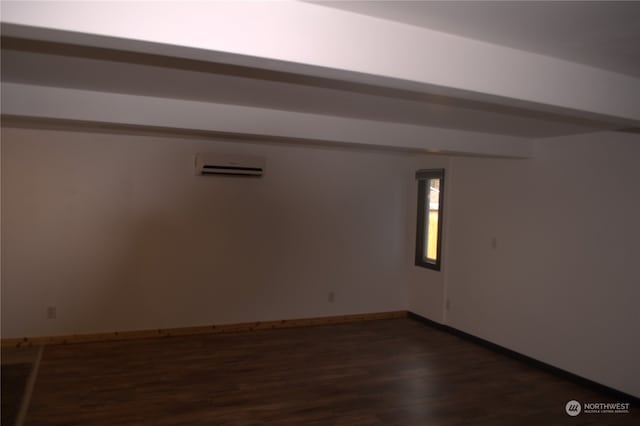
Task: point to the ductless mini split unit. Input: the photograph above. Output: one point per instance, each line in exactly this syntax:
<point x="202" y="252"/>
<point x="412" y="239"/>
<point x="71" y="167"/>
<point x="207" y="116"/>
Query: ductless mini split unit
<point x="209" y="164"/>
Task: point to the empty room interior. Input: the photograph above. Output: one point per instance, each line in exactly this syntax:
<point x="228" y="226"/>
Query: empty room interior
<point x="320" y="213"/>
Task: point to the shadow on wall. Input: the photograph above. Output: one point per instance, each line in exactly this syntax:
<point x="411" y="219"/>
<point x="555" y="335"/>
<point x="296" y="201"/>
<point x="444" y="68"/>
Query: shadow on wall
<point x="118" y="233"/>
<point x="195" y="260"/>
<point x="240" y="254"/>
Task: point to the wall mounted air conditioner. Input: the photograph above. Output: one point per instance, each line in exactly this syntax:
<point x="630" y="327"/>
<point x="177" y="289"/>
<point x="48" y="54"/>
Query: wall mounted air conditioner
<point x="229" y="164"/>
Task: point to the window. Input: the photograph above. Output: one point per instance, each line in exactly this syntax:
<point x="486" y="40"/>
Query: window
<point x="429" y="232"/>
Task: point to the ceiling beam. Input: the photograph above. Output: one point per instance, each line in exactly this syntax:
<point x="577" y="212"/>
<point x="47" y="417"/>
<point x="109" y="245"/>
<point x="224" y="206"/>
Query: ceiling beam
<point x="314" y="40"/>
<point x="53" y="103"/>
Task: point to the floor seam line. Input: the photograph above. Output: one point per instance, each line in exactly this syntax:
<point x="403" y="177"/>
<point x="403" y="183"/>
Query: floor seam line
<point x="26" y="398"/>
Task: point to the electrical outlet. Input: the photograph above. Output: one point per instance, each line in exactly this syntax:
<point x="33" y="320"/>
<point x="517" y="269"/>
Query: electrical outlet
<point x="494" y="243"/>
<point x="52" y="312"/>
<point x="331" y="297"/>
<point x="448" y="304"/>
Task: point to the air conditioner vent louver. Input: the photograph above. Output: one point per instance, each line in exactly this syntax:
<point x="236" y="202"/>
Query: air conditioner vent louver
<point x="229" y="165"/>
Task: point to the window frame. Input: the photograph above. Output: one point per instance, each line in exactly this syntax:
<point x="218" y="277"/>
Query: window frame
<point x="423" y="176"/>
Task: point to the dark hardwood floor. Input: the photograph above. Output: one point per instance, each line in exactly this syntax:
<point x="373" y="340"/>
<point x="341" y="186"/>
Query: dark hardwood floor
<point x="389" y="372"/>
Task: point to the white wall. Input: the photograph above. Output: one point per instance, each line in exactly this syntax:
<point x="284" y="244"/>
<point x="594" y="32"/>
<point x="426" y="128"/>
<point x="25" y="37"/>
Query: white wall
<point x="562" y="286"/>
<point x="118" y="233"/>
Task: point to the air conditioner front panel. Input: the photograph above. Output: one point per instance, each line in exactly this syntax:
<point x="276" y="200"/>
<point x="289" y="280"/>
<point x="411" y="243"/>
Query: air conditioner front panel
<point x="229" y="165"/>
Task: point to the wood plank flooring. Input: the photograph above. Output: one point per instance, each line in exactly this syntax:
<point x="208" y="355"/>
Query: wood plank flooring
<point x="387" y="372"/>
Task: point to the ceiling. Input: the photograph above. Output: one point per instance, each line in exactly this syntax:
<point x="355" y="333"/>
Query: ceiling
<point x="58" y="65"/>
<point x="602" y="34"/>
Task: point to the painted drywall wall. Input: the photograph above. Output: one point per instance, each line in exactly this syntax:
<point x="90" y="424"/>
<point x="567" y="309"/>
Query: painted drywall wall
<point x="561" y="284"/>
<point x="118" y="233"/>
